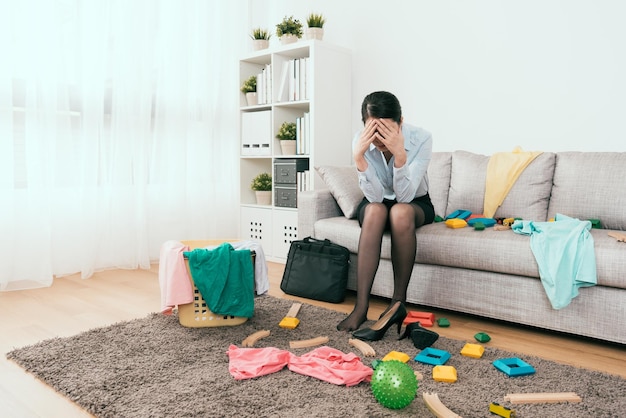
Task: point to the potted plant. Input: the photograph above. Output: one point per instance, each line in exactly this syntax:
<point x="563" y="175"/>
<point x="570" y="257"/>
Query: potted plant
<point x="262" y="186"/>
<point x="315" y="23"/>
<point x="287" y="136"/>
<point x="260" y="39"/>
<point x="289" y="30"/>
<point x="249" y="89"/>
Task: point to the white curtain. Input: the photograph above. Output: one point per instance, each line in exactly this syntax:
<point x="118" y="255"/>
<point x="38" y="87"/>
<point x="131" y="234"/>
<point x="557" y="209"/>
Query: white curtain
<point x="117" y="132"/>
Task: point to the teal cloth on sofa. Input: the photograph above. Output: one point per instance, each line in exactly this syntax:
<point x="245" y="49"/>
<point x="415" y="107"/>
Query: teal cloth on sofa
<point x="225" y="279"/>
<point x="564" y="250"/>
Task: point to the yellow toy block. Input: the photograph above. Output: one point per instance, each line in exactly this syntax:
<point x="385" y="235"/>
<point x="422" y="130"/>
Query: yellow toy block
<point x="473" y="350"/>
<point x="444" y="374"/>
<point x="397" y="355"/>
<point x="456" y="223"/>
<point x="289" y="322"/>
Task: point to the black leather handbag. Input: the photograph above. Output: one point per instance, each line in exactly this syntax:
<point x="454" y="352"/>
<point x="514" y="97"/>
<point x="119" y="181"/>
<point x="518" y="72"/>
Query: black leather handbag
<point x="316" y="269"/>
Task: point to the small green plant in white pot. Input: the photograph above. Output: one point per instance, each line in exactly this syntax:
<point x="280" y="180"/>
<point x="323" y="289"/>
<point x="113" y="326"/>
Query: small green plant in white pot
<point x="262" y="186"/>
<point x="287" y="136"/>
<point x="289" y="30"/>
<point x="260" y="39"/>
<point x="315" y="29"/>
<point x="249" y="89"/>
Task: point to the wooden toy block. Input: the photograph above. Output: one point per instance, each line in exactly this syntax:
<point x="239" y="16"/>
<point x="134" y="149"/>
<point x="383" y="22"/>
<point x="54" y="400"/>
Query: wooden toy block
<point x="443" y="322"/>
<point x="513" y="367"/>
<point x="619" y="236"/>
<point x="518" y="398"/>
<point x="362" y="346"/>
<point x="425" y="319"/>
<point x="482" y="337"/>
<point x="508" y="221"/>
<point x="432" y="356"/>
<point x="308" y="343"/>
<point x="444" y="374"/>
<point x="487" y="222"/>
<point x="472" y="350"/>
<point x="502" y="411"/>
<point x="459" y="214"/>
<point x="251" y="339"/>
<point x="437" y="407"/>
<point x="456" y="223"/>
<point x="397" y="355"/>
<point x="290" y="321"/>
<point x="595" y="223"/>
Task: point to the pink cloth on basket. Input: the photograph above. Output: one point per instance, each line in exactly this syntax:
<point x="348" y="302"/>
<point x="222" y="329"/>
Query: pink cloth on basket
<point x="174" y="280"/>
<point x="324" y="363"/>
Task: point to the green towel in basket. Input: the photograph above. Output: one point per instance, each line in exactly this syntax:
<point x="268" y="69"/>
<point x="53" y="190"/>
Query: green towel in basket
<point x="225" y="279"/>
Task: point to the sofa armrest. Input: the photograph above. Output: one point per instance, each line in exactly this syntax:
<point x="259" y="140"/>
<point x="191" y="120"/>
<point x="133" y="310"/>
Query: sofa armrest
<point x="314" y="205"/>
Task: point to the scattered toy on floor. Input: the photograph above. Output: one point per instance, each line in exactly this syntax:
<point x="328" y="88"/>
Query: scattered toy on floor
<point x="437" y="407"/>
<point x="312" y="342"/>
<point x="472" y="350"/>
<point x="290" y="321"/>
<point x="502" y="411"/>
<point x="432" y="356"/>
<point x="518" y="398"/>
<point x="425" y="319"/>
<point x="362" y="346"/>
<point x="394" y="384"/>
<point x="251" y="339"/>
<point x="444" y="374"/>
<point x="482" y="337"/>
<point x="513" y="367"/>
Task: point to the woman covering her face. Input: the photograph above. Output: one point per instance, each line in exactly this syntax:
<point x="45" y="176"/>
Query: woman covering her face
<point x="391" y="158"/>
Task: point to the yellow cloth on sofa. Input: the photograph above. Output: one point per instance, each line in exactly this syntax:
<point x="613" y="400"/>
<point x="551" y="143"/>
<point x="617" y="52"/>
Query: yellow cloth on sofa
<point x="503" y="170"/>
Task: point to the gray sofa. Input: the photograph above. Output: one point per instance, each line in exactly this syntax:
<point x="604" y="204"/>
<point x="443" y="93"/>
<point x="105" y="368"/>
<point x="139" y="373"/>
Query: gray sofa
<point x="494" y="273"/>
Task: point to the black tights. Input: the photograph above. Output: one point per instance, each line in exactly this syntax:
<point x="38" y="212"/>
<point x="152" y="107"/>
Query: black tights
<point x="375" y="218"/>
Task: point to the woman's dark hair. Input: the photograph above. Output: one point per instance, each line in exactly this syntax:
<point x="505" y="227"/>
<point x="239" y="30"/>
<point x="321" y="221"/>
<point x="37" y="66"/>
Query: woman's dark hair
<point x="381" y="105"/>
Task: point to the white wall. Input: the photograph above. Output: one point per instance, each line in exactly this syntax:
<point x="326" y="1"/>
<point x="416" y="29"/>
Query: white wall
<point x="484" y="75"/>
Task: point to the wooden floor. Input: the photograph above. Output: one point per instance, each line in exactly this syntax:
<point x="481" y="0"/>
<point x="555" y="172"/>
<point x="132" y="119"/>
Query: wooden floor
<point x="72" y="305"/>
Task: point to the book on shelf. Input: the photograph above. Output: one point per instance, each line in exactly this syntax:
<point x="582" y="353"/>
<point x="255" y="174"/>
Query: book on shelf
<point x="283" y="88"/>
<point x="303" y="134"/>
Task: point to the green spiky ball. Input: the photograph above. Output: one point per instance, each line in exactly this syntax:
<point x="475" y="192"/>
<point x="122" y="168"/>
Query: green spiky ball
<point x="394" y="384"/>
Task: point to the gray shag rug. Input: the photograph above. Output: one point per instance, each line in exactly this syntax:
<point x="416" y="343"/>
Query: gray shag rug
<point x="154" y="367"/>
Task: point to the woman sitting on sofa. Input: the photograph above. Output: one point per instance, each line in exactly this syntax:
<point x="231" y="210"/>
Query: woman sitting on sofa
<point x="391" y="158"/>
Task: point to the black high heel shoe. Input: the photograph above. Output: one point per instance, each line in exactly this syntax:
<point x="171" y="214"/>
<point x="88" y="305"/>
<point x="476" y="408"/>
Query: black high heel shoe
<point x="420" y="336"/>
<point x="395" y="315"/>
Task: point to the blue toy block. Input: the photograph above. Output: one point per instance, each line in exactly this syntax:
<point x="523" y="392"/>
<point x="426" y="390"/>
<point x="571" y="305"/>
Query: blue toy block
<point x="459" y="213"/>
<point x="433" y="356"/>
<point x="487" y="222"/>
<point x="513" y="367"/>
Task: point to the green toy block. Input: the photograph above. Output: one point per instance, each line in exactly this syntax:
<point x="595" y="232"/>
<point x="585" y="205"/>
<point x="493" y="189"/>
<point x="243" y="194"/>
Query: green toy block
<point x="438" y="218"/>
<point x="595" y="223"/>
<point x="443" y="322"/>
<point x="482" y="337"/>
<point x="479" y="226"/>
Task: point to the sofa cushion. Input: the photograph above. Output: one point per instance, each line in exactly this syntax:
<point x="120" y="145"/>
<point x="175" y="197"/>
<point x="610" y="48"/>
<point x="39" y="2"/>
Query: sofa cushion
<point x="467" y="182"/>
<point x="343" y="183"/>
<point x="590" y="185"/>
<point x="439" y="180"/>
<point x="528" y="198"/>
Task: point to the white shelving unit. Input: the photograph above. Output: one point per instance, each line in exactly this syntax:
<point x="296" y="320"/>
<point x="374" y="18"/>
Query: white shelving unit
<point x="324" y="100"/>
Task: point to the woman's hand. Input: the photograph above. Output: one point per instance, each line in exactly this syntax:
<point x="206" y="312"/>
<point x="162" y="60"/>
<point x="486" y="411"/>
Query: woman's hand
<point x="368" y="135"/>
<point x="390" y="134"/>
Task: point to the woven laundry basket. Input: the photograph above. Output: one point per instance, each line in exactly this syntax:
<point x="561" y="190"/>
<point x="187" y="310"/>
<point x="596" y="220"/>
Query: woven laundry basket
<point x="197" y="314"/>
